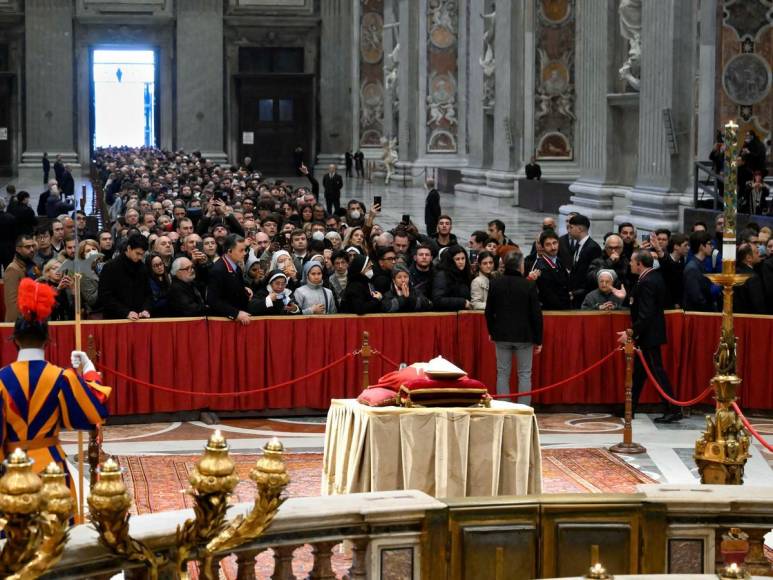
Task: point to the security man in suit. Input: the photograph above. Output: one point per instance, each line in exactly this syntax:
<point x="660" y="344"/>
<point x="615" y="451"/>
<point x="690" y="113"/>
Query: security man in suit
<point x="333" y="184"/>
<point x="227" y="294"/>
<point x="648" y="303"/>
<point x="585" y="250"/>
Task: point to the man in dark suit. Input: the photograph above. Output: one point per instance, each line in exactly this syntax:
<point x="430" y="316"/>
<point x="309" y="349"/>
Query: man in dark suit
<point x="432" y="210"/>
<point x="566" y="244"/>
<point x="124" y="288"/>
<point x="552" y="278"/>
<point x="514" y="321"/>
<point x="585" y="251"/>
<point x="349" y="159"/>
<point x="227" y="294"/>
<point x="333" y="184"/>
<point x="46" y="167"/>
<point x="58" y="170"/>
<point x="648" y="303"/>
<point x="67" y="183"/>
<point x="749" y="298"/>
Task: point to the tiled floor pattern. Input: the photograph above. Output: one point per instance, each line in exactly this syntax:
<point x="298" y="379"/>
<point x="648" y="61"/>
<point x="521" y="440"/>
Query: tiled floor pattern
<point x="668" y="458"/>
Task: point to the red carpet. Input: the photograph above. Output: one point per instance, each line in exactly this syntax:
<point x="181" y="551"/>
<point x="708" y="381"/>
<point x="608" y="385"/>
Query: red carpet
<point x="157" y="483"/>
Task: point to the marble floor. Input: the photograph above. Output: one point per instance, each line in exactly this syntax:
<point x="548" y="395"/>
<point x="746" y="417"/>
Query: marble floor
<point x="469" y="213"/>
<point x="668" y="458"/>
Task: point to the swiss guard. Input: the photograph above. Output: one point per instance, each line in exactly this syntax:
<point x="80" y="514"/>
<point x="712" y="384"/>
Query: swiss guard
<point x="40" y="398"/>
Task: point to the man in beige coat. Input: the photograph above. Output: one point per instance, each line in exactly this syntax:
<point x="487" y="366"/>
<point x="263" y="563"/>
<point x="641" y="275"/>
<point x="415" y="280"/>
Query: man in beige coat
<point x="21" y="267"/>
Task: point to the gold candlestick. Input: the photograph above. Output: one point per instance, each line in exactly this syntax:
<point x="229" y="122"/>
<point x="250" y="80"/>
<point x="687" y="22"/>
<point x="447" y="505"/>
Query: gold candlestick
<point x="723" y="449"/>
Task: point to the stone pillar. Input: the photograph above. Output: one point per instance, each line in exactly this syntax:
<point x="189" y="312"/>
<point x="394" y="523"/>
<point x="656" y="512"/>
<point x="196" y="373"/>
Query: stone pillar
<point x="336" y="81"/>
<point x="667" y="47"/>
<point x="508" y="129"/>
<point x="409" y="124"/>
<point x="200" y="84"/>
<point x="592" y="194"/>
<point x="48" y="81"/>
<point x="478" y="120"/>
<point x="707" y="77"/>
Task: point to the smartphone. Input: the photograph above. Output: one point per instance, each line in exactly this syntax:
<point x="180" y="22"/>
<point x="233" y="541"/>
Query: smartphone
<point x="200" y="246"/>
<point x="473" y="256"/>
<point x="645" y="237"/>
<point x="377" y="200"/>
<point x="406" y="219"/>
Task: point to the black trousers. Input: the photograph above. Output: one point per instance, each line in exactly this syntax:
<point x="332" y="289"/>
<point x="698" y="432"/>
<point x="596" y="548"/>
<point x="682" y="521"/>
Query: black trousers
<point x="332" y="202"/>
<point x="655" y="363"/>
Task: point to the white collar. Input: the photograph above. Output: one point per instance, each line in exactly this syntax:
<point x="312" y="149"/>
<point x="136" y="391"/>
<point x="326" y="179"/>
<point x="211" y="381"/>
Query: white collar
<point x="30" y="354"/>
<point x="582" y="241"/>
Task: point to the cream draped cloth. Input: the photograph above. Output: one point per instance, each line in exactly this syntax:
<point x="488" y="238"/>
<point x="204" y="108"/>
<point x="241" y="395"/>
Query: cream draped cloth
<point x="444" y="452"/>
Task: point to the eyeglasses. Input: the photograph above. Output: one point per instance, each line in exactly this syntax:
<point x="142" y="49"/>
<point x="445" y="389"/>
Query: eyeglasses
<point x="185" y="269"/>
<point x="389" y="258"/>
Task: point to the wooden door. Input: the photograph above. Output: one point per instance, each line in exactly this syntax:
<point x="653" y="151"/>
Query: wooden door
<point x="276" y="116"/>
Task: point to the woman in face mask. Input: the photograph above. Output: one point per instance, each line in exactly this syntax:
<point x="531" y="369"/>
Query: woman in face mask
<point x="359" y="296"/>
<point x="88" y="250"/>
<point x="355" y="215"/>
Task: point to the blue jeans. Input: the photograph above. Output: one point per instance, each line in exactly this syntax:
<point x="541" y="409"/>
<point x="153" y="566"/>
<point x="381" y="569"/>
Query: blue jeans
<point x="523" y="354"/>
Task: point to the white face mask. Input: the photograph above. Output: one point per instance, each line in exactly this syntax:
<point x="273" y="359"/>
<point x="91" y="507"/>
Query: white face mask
<point x="355" y="214"/>
<point x="368" y="274"/>
<point x="655" y="264"/>
<point x="318" y="236"/>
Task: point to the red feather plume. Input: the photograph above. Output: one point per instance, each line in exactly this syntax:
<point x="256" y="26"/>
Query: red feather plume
<point x="35" y="301"/>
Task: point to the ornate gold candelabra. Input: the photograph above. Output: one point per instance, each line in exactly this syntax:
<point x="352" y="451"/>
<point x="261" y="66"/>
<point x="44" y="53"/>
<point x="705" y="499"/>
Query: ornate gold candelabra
<point x="723" y="449"/>
<point x="199" y="539"/>
<point x="35" y="514"/>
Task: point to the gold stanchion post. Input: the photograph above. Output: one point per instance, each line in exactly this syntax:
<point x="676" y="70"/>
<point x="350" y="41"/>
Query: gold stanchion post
<point x="95" y="436"/>
<point x="627" y="445"/>
<point x="366" y="352"/>
<point x="723" y="449"/>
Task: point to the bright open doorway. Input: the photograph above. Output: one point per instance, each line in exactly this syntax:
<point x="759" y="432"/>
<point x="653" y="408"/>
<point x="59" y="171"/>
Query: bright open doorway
<point x="124" y="111"/>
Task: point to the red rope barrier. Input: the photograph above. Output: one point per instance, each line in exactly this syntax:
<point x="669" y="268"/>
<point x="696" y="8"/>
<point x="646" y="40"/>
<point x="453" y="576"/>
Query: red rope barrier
<point x="385" y="358"/>
<point x="697" y="399"/>
<point x="237" y="394"/>
<point x="562" y="382"/>
<point x="751" y="429"/>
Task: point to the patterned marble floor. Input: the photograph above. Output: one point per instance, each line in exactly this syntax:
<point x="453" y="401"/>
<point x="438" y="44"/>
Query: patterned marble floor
<point x="668" y="458"/>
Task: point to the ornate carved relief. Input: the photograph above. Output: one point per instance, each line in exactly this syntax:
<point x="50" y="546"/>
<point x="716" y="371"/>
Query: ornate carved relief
<point x="371" y="84"/>
<point x="554" y="117"/>
<point x="442" y="63"/>
<point x="488" y="60"/>
<point x="745" y="86"/>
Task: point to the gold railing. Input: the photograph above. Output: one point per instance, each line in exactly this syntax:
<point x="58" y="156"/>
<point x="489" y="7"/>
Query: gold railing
<point x="405" y="534"/>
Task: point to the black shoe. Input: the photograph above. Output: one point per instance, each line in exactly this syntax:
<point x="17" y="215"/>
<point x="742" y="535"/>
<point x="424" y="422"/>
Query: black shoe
<point x="669" y="418"/>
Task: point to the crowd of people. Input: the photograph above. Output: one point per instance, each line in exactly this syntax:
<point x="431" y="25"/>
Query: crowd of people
<point x="186" y="237"/>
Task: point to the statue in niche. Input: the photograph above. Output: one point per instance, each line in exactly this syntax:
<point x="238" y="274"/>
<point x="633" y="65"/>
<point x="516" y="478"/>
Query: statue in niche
<point x="391" y="69"/>
<point x="389" y="157"/>
<point x="488" y="60"/>
<point x="630" y="29"/>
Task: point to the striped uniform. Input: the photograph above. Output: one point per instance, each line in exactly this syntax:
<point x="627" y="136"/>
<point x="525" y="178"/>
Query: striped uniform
<point x="39" y="398"/>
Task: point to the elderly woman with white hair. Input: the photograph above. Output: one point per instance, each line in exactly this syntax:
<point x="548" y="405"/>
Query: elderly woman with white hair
<point x="606" y="297"/>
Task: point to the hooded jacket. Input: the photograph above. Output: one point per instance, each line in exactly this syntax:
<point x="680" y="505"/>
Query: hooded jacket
<point x="308" y="294"/>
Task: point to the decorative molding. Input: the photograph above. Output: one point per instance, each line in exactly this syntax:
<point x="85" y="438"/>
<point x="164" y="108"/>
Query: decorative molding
<point x="270" y="6"/>
<point x="123" y="8"/>
<point x="442" y="125"/>
<point x="371" y="82"/>
<point x="554" y="95"/>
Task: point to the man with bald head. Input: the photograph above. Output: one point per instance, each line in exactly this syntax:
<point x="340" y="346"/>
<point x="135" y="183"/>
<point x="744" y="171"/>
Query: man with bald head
<point x="333" y="184"/>
<point x="612" y="258"/>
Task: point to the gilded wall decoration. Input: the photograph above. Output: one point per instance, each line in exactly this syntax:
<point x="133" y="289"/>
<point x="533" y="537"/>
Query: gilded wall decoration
<point x="371" y="72"/>
<point x="554" y="95"/>
<point x="442" y="65"/>
<point x="745" y="86"/>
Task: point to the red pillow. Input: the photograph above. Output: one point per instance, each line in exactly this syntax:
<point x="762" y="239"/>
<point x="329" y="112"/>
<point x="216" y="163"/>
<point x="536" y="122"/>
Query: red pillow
<point x="377" y="397"/>
<point x="426" y="392"/>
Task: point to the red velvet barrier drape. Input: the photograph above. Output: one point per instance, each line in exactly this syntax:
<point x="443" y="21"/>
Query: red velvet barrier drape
<point x="218" y="355"/>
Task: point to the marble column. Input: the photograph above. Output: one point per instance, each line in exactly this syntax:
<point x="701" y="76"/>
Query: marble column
<point x="49" y="81"/>
<point x="335" y="81"/>
<point x="200" y="85"/>
<point x="667" y="73"/>
<point x="409" y="124"/>
<point x="478" y="120"/>
<point x="508" y="129"/>
<point x="707" y="77"/>
<point x="592" y="192"/>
